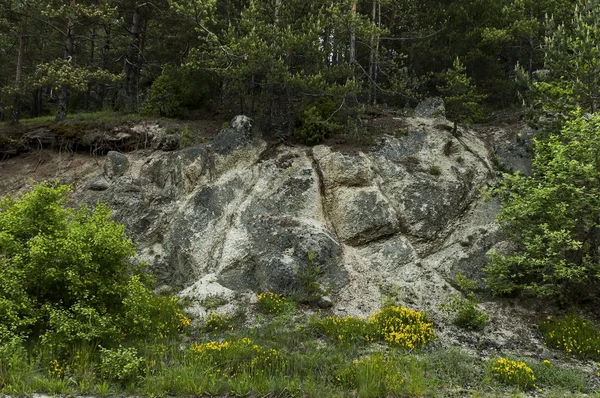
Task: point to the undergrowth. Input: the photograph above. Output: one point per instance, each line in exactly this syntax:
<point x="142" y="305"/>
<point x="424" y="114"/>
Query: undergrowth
<point x="136" y="343"/>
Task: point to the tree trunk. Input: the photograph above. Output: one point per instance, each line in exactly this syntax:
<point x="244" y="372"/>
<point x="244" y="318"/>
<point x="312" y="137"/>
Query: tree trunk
<point x="372" y="53"/>
<point x="91" y="65"/>
<point x="63" y="95"/>
<point x="353" y="37"/>
<point x="16" y="109"/>
<point x="130" y="68"/>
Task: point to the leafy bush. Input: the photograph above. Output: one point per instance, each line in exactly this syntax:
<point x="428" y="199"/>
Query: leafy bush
<point x="398" y="326"/>
<point x="464" y="309"/>
<point x="121" y="365"/>
<point x="315" y="125"/>
<point x="176" y="90"/>
<point x="13" y="359"/>
<point x="572" y="335"/>
<point x="66" y="275"/>
<point x="514" y="373"/>
<point x="550" y="216"/>
<point x="216" y="322"/>
<point x="344" y="330"/>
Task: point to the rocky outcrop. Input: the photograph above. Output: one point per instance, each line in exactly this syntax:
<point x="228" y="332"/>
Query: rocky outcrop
<point x="406" y="215"/>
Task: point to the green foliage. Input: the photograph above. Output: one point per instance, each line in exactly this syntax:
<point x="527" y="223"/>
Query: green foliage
<point x="67" y="278"/>
<point x="464" y="308"/>
<point x="572" y="335"/>
<point x="176" y="90"/>
<point x="515" y="373"/>
<point x="344" y="330"/>
<point x="374" y="376"/>
<point x="572" y="60"/>
<point x="273" y="304"/>
<point x="402" y="327"/>
<point x="397" y="326"/>
<point x="434" y="170"/>
<point x="314" y="126"/>
<point x="237" y="356"/>
<point x="465" y="312"/>
<point x="216" y="322"/>
<point x="461" y="101"/>
<point x="121" y="365"/>
<point x="13" y="359"/>
<point x="551" y="217"/>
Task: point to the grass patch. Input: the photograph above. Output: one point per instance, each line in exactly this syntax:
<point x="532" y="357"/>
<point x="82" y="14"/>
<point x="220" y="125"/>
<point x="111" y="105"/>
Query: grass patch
<point x="282" y="354"/>
<point x="101" y="117"/>
<point x="573" y="335"/>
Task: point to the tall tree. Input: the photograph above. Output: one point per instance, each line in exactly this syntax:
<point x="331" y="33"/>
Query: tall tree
<point x="572" y="58"/>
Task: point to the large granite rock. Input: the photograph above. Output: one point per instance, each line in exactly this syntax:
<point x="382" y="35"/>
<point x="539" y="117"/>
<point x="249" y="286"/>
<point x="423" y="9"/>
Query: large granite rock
<point x="233" y="216"/>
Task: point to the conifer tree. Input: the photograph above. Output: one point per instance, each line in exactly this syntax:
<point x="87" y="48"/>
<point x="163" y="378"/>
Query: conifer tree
<point x="572" y="61"/>
<point x="460" y="98"/>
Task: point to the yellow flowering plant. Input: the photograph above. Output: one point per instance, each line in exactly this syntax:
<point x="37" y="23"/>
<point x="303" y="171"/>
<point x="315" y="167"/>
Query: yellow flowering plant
<point x="270" y="303"/>
<point x="236" y="356"/>
<point x="514" y="373"/>
<point x="402" y="327"/>
<point x="573" y="335"/>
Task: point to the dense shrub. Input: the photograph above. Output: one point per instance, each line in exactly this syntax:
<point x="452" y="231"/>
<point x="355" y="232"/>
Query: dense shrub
<point x="273" y="303"/>
<point x="66" y="275"/>
<point x="397" y="326"/>
<point x="176" y="90"/>
<point x="551" y="217"/>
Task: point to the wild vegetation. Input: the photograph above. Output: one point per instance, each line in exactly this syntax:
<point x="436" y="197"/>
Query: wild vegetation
<point x="310" y="68"/>
<point x="77" y="313"/>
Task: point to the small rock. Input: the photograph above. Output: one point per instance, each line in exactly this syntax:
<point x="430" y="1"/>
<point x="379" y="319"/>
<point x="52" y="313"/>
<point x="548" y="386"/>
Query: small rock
<point x="325" y="302"/>
<point x="116" y="164"/>
<point x="240" y="133"/>
<point x="99" y="183"/>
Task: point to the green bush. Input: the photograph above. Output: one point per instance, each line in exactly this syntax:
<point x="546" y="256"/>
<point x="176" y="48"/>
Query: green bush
<point x="550" y="216"/>
<point x="315" y="124"/>
<point x="121" y="365"/>
<point x="273" y="304"/>
<point x="464" y="309"/>
<point x="572" y="335"/>
<point x="66" y="275"/>
<point x="402" y="327"/>
<point x="343" y="330"/>
<point x="465" y="312"/>
<point x="176" y="90"/>
<point x="236" y="356"/>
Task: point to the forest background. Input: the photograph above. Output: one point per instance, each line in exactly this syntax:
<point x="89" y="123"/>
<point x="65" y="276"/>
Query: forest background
<point x="309" y="67"/>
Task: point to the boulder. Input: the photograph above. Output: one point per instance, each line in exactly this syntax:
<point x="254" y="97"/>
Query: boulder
<point x="116" y="164"/>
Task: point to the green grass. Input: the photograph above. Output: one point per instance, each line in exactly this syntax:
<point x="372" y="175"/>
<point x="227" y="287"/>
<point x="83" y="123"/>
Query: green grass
<point x="573" y="335"/>
<point x="101" y="117"/>
<point x="307" y="364"/>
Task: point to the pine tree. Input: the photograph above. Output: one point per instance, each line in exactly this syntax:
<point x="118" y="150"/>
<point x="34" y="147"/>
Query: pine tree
<point x="572" y="59"/>
<point x="461" y="100"/>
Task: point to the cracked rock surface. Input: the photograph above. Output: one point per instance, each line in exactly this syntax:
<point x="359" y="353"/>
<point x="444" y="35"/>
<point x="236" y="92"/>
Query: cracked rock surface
<point x="239" y="216"/>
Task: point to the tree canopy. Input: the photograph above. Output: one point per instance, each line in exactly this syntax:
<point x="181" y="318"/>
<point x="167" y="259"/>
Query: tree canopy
<point x="277" y="61"/>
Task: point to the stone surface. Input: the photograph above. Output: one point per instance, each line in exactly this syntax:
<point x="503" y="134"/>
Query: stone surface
<point x="399" y="219"/>
<point x="99" y="183"/>
<point x="116" y="164"/>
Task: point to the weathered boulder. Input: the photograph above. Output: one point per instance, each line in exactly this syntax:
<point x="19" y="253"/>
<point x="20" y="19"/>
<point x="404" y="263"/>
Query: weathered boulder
<point x="116" y="164"/>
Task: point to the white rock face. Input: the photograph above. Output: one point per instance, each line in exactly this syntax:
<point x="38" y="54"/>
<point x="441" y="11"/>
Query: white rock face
<point x="238" y="216"/>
